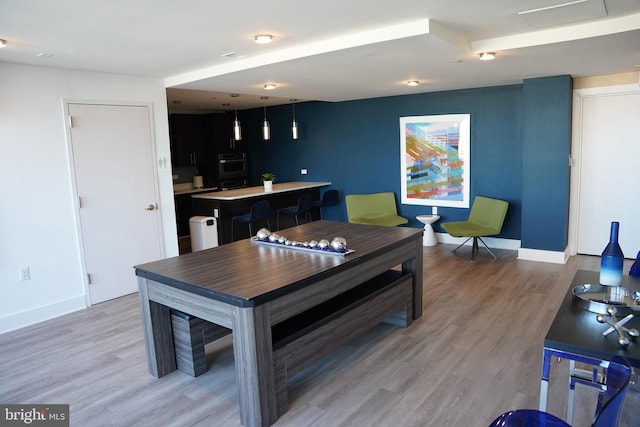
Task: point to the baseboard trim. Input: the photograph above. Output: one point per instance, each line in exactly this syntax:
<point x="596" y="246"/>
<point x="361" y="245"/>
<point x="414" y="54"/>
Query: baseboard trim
<point x="492" y="242"/>
<point x="543" y="256"/>
<point x="29" y="317"/>
<point x="513" y="245"/>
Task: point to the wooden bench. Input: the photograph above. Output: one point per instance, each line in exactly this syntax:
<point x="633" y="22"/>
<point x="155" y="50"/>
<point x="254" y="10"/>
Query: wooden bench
<point x="301" y="340"/>
<point x="308" y="337"/>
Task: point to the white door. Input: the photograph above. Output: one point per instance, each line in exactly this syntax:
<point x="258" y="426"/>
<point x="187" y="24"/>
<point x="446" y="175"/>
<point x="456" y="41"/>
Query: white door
<point x="113" y="161"/>
<point x="609" y="172"/>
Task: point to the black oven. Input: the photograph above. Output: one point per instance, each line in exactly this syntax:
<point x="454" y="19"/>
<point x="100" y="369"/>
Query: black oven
<point x="233" y="183"/>
<point x="232" y="165"/>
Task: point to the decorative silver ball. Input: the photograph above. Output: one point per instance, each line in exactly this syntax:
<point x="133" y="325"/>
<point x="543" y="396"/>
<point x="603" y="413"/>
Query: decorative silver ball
<point x="323" y="243"/>
<point x="313" y="244"/>
<point x="623" y="341"/>
<point x="263" y="233"/>
<point x="281" y="239"/>
<point x="288" y="242"/>
<point x="339" y="243"/>
<point x="601" y="318"/>
<point x="611" y="310"/>
<point x="273" y="237"/>
<point x="305" y="244"/>
<point x="633" y="332"/>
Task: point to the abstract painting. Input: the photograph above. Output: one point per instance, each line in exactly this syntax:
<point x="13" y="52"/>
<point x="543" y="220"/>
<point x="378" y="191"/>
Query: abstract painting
<point x="435" y="162"/>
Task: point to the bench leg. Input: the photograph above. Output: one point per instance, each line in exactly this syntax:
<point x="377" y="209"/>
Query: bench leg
<point x="401" y="318"/>
<point x="282" y="397"/>
<point x="190" y="337"/>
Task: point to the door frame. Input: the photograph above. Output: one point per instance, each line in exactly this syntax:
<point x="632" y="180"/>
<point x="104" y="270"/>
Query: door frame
<point x="74" y="189"/>
<point x="579" y="96"/>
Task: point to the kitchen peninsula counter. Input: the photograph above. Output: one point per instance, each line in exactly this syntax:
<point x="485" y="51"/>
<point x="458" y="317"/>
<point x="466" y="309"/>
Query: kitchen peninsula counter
<point x="226" y="204"/>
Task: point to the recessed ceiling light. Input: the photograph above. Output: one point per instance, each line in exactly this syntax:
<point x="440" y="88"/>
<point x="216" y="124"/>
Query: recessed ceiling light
<point x="44" y="55"/>
<point x="413" y="83"/>
<point x="270" y="86"/>
<point x="487" y="56"/>
<point x="3" y="43"/>
<point x="263" y="38"/>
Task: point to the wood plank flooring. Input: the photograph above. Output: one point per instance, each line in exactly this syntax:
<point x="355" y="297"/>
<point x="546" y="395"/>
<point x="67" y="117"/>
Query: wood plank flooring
<point x="475" y="353"/>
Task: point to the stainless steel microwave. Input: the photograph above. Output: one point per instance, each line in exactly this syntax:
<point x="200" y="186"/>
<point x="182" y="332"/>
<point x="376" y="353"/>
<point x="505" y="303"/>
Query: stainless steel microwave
<point x="232" y="165"/>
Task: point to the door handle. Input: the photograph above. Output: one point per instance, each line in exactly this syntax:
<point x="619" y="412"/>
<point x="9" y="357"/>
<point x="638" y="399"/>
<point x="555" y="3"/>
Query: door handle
<point x="150" y="208"/>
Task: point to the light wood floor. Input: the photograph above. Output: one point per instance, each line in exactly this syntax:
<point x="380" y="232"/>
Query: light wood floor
<point x="475" y="353"/>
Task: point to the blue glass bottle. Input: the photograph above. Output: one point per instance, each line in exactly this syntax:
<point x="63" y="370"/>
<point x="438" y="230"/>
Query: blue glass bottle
<point x="635" y="268"/>
<point x="612" y="259"/>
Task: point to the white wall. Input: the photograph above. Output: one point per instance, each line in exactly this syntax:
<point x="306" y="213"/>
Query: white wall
<point x="37" y="228"/>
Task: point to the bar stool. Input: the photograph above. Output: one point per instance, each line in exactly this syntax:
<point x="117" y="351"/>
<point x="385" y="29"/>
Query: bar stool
<point x="260" y="211"/>
<point x="329" y="198"/>
<point x="303" y="207"/>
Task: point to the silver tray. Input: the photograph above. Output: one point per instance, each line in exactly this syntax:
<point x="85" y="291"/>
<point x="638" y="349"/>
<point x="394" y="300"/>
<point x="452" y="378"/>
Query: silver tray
<point x="301" y="248"/>
<point x="596" y="298"/>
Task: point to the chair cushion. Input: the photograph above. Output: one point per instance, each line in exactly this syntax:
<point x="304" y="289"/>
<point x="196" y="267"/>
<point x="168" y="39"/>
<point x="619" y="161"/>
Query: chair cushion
<point x="468" y="229"/>
<point x="374" y="209"/>
<point x="387" y="220"/>
<point x="528" y="418"/>
<point x="244" y="218"/>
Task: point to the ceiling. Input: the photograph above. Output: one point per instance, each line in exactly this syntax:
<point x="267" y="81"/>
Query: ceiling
<point x="203" y="50"/>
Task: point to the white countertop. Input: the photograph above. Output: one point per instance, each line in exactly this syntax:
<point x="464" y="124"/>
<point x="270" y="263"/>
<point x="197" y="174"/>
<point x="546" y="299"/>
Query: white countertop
<point x="193" y="190"/>
<point x="245" y="193"/>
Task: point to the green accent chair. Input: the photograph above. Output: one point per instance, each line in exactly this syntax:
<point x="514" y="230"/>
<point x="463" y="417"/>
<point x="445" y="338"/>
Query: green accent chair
<point x="373" y="209"/>
<point x="486" y="219"/>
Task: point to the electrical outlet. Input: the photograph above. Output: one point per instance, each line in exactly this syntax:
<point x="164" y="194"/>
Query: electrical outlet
<point x="303" y="171"/>
<point x="24" y="274"/>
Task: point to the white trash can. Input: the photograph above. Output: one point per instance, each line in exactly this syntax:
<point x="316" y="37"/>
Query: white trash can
<point x="204" y="232"/>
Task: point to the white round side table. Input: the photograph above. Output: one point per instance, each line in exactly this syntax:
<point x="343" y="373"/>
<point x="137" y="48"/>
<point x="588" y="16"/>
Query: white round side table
<point x="429" y="237"/>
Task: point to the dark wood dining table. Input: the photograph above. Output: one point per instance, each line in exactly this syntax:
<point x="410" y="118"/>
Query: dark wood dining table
<point x="577" y="336"/>
<point x="248" y="287"/>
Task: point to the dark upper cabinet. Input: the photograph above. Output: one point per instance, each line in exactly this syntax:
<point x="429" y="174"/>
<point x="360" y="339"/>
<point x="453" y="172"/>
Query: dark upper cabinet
<point x="197" y="139"/>
<point x="219" y="128"/>
<point x="186" y="132"/>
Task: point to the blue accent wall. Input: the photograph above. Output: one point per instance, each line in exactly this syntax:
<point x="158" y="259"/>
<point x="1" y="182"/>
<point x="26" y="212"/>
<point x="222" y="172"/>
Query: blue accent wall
<point x="546" y="173"/>
<point x="356" y="146"/>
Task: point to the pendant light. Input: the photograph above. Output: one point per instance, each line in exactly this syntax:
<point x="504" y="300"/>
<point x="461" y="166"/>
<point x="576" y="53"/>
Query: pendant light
<point x="237" y="132"/>
<point x="294" y="124"/>
<point x="266" y="132"/>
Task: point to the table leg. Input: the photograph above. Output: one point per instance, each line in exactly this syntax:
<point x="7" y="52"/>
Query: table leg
<point x="158" y="334"/>
<point x="414" y="266"/>
<point x="254" y="365"/>
<point x="572" y="391"/>
<point x="544" y="382"/>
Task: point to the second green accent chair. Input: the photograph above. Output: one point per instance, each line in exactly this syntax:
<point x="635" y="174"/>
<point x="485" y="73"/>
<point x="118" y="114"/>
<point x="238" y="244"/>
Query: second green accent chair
<point x="486" y="219"/>
<point x="373" y="209"/>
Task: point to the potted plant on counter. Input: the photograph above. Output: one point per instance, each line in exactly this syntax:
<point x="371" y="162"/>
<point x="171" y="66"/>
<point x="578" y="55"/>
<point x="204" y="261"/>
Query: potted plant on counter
<point x="268" y="179"/>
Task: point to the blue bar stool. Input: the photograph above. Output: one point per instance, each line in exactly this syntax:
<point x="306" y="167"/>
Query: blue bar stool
<point x="329" y="198"/>
<point x="303" y="207"/>
<point x="260" y="211"/>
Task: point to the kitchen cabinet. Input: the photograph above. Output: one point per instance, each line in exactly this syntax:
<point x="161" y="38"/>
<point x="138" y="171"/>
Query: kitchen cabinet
<point x="186" y="132"/>
<point x="183" y="213"/>
<point x="184" y="210"/>
<point x="219" y="129"/>
<point x="197" y="139"/>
